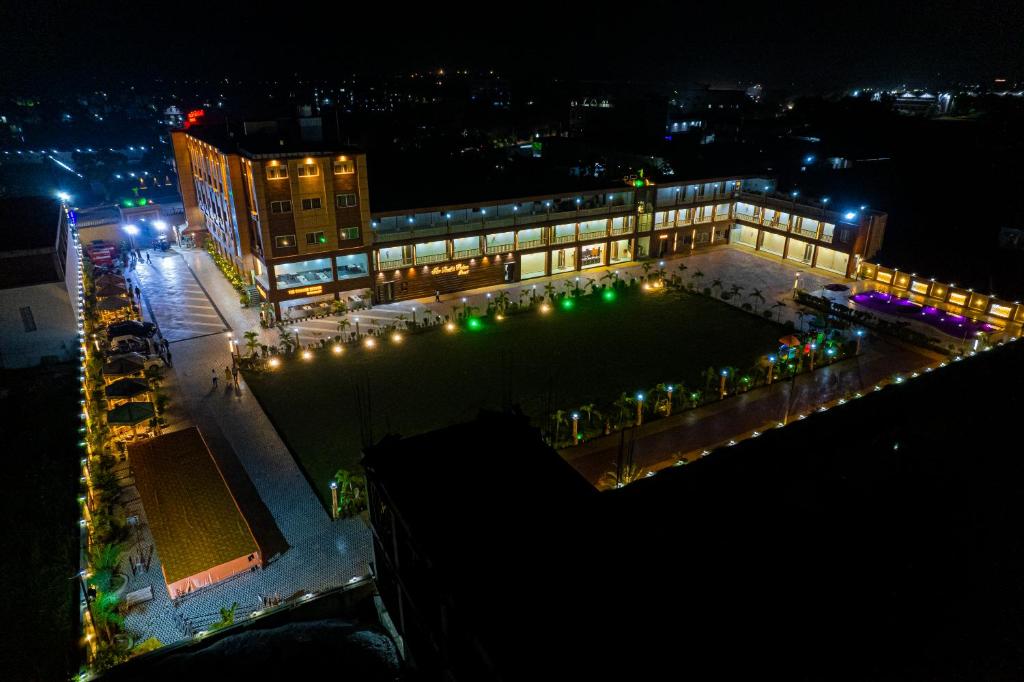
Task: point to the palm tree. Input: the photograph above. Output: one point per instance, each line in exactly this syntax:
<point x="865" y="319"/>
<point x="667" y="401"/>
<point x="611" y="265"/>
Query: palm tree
<point x="757" y="296"/>
<point x="801" y="315"/>
<point x="779" y="305"/>
<point x="590" y="410"/>
<point x="716" y="283"/>
<point x="734" y="290"/>
<point x="339" y="307"/>
<point x="646" y="267"/>
<point x="343" y="324"/>
<point x="623" y="405"/>
<point x="284" y="337"/>
<point x="695" y="277"/>
<point x="558" y="417"/>
<point x="106" y="614"/>
<point x="251" y="342"/>
<point x="611" y="276"/>
<point x="682" y="268"/>
<point x="630" y="472"/>
<point x="227" y="617"/>
<point x="501" y="302"/>
<point x="549" y="291"/>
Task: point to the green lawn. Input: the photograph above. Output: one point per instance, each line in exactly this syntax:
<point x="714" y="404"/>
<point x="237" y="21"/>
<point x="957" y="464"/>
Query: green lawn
<point x="566" y="358"/>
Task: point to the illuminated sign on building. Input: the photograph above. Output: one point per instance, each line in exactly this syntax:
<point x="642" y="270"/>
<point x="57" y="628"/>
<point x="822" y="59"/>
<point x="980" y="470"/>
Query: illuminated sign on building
<point x="310" y="291"/>
<point x="192" y="117"/>
<point x="458" y="269"/>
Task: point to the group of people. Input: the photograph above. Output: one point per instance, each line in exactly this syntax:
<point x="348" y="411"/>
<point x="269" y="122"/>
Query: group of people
<point x="131" y="258"/>
<point x="230" y="375"/>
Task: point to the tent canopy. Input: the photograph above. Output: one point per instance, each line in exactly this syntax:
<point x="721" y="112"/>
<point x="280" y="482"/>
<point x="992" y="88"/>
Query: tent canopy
<point x="130" y="414"/>
<point x="126" y="388"/>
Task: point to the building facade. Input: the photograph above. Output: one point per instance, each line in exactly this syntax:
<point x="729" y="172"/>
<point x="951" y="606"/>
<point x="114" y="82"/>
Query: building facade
<point x="293" y="218"/>
<point x="37" y="316"/>
<point x="296" y="220"/>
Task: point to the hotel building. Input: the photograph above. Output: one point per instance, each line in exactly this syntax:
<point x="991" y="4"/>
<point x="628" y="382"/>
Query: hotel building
<point x="451" y="248"/>
<point x="291" y="213"/>
<point x="295" y="217"/>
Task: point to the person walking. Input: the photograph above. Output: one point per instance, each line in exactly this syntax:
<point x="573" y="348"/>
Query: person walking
<point x="234" y="375"/>
<point x="437" y="295"/>
<point x="148" y="261"/>
<point x="227" y="374"/>
<point x="214" y="373"/>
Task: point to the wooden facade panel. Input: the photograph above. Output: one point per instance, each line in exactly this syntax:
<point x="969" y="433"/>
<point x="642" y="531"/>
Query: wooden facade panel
<point x="424" y="280"/>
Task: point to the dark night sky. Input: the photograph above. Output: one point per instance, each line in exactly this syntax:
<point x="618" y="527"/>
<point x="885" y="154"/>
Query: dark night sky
<point x="54" y="43"/>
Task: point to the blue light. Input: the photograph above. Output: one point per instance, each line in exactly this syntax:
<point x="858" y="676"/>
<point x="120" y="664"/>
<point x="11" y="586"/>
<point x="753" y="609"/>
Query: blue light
<point x="809" y="159"/>
<point x="850" y="215"/>
<point x="795" y="192"/>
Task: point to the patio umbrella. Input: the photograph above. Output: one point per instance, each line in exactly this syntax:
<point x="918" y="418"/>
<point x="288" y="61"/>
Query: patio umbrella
<point x="109" y="290"/>
<point x="789" y="340"/>
<point x="130" y="414"/>
<point x="130" y="363"/>
<point x="113" y="304"/>
<point x="837" y="287"/>
<point x="126" y="388"/>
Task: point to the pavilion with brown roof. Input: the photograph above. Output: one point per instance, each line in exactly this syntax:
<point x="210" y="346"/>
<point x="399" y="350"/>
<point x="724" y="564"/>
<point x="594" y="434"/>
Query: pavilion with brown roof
<point x="200" y="533"/>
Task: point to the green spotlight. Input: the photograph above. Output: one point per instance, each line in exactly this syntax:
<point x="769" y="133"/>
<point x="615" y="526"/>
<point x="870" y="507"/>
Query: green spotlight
<point x="608" y="295"/>
<point x="474" y="323"/>
<point x="568" y="303"/>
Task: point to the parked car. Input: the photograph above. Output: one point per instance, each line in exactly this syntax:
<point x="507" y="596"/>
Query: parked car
<point x="131" y="328"/>
<point x="131" y="344"/>
<point x="147" y="360"/>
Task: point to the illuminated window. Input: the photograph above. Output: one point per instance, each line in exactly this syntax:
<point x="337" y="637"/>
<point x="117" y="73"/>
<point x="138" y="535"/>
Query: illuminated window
<point x="1000" y="310"/>
<point x="315" y="238"/>
<point x="345" y="200"/>
<point x="919" y="287"/>
<point x="348" y="233"/>
<point x="311" y="204"/>
<point x="958" y="299"/>
<point x="344" y="167"/>
<point x="284" y="241"/>
<point x="308" y="170"/>
<point x="280" y="207"/>
<point x="277" y="172"/>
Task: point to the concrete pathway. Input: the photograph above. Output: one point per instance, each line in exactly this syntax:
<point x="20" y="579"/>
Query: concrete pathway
<point x="316" y="553"/>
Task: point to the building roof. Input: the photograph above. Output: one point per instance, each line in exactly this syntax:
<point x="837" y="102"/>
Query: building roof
<point x="192" y="513"/>
<point x="272" y="138"/>
<point x="846" y="543"/>
<point x="29" y="223"/>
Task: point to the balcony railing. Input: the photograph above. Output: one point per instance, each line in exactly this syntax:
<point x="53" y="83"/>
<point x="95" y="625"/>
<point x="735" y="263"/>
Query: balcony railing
<point x="530" y="244"/>
<point x="391" y="264"/>
<point x="504" y="247"/>
<point x="616" y="231"/>
<point x="432" y="258"/>
<point x="564" y="239"/>
<point x="480" y="222"/>
<point x="593" y="234"/>
<point x="466" y="253"/>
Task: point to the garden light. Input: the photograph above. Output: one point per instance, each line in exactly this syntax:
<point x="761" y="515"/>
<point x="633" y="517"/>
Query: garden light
<point x="274" y="362"/>
<point x="450" y="327"/>
<point x="396" y="338"/>
<point x="545" y="308"/>
<point x="474" y="323"/>
<point x="306" y="355"/>
<point x="370" y="343"/>
<point x="567" y="304"/>
<point x="337" y="349"/>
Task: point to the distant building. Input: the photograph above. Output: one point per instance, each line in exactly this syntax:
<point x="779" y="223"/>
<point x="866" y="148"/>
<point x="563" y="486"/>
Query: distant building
<point x="37" y="320"/>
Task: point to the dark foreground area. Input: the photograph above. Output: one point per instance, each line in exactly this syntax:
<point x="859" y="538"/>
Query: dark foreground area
<point x="879" y="540"/>
<point x="40" y="421"/>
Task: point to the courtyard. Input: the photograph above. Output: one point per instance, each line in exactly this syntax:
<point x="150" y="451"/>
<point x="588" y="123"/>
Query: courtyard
<point x="327" y="407"/>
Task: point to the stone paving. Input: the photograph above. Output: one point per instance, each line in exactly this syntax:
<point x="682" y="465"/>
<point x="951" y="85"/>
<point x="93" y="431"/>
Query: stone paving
<point x="321" y="553"/>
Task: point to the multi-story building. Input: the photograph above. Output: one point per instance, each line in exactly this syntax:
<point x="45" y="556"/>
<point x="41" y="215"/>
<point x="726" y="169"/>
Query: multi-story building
<point x="451" y="248"/>
<point x="291" y="212"/>
<point x="295" y="217"/>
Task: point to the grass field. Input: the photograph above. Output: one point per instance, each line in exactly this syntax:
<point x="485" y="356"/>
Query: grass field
<point x="327" y="407"/>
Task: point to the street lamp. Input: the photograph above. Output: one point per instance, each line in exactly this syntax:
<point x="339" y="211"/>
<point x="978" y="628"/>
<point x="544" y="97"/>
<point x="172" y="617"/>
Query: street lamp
<point x="298" y="342"/>
<point x="575" y="428"/>
<point x="668" y="388"/>
<point x="639" y="409"/>
<point x="64" y="197"/>
<point x="771" y="369"/>
<point x="334" y="500"/>
<point x="860" y="334"/>
<point x="721" y="384"/>
<point x="132" y="230"/>
<point x="814" y="348"/>
<point x="356" y="320"/>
